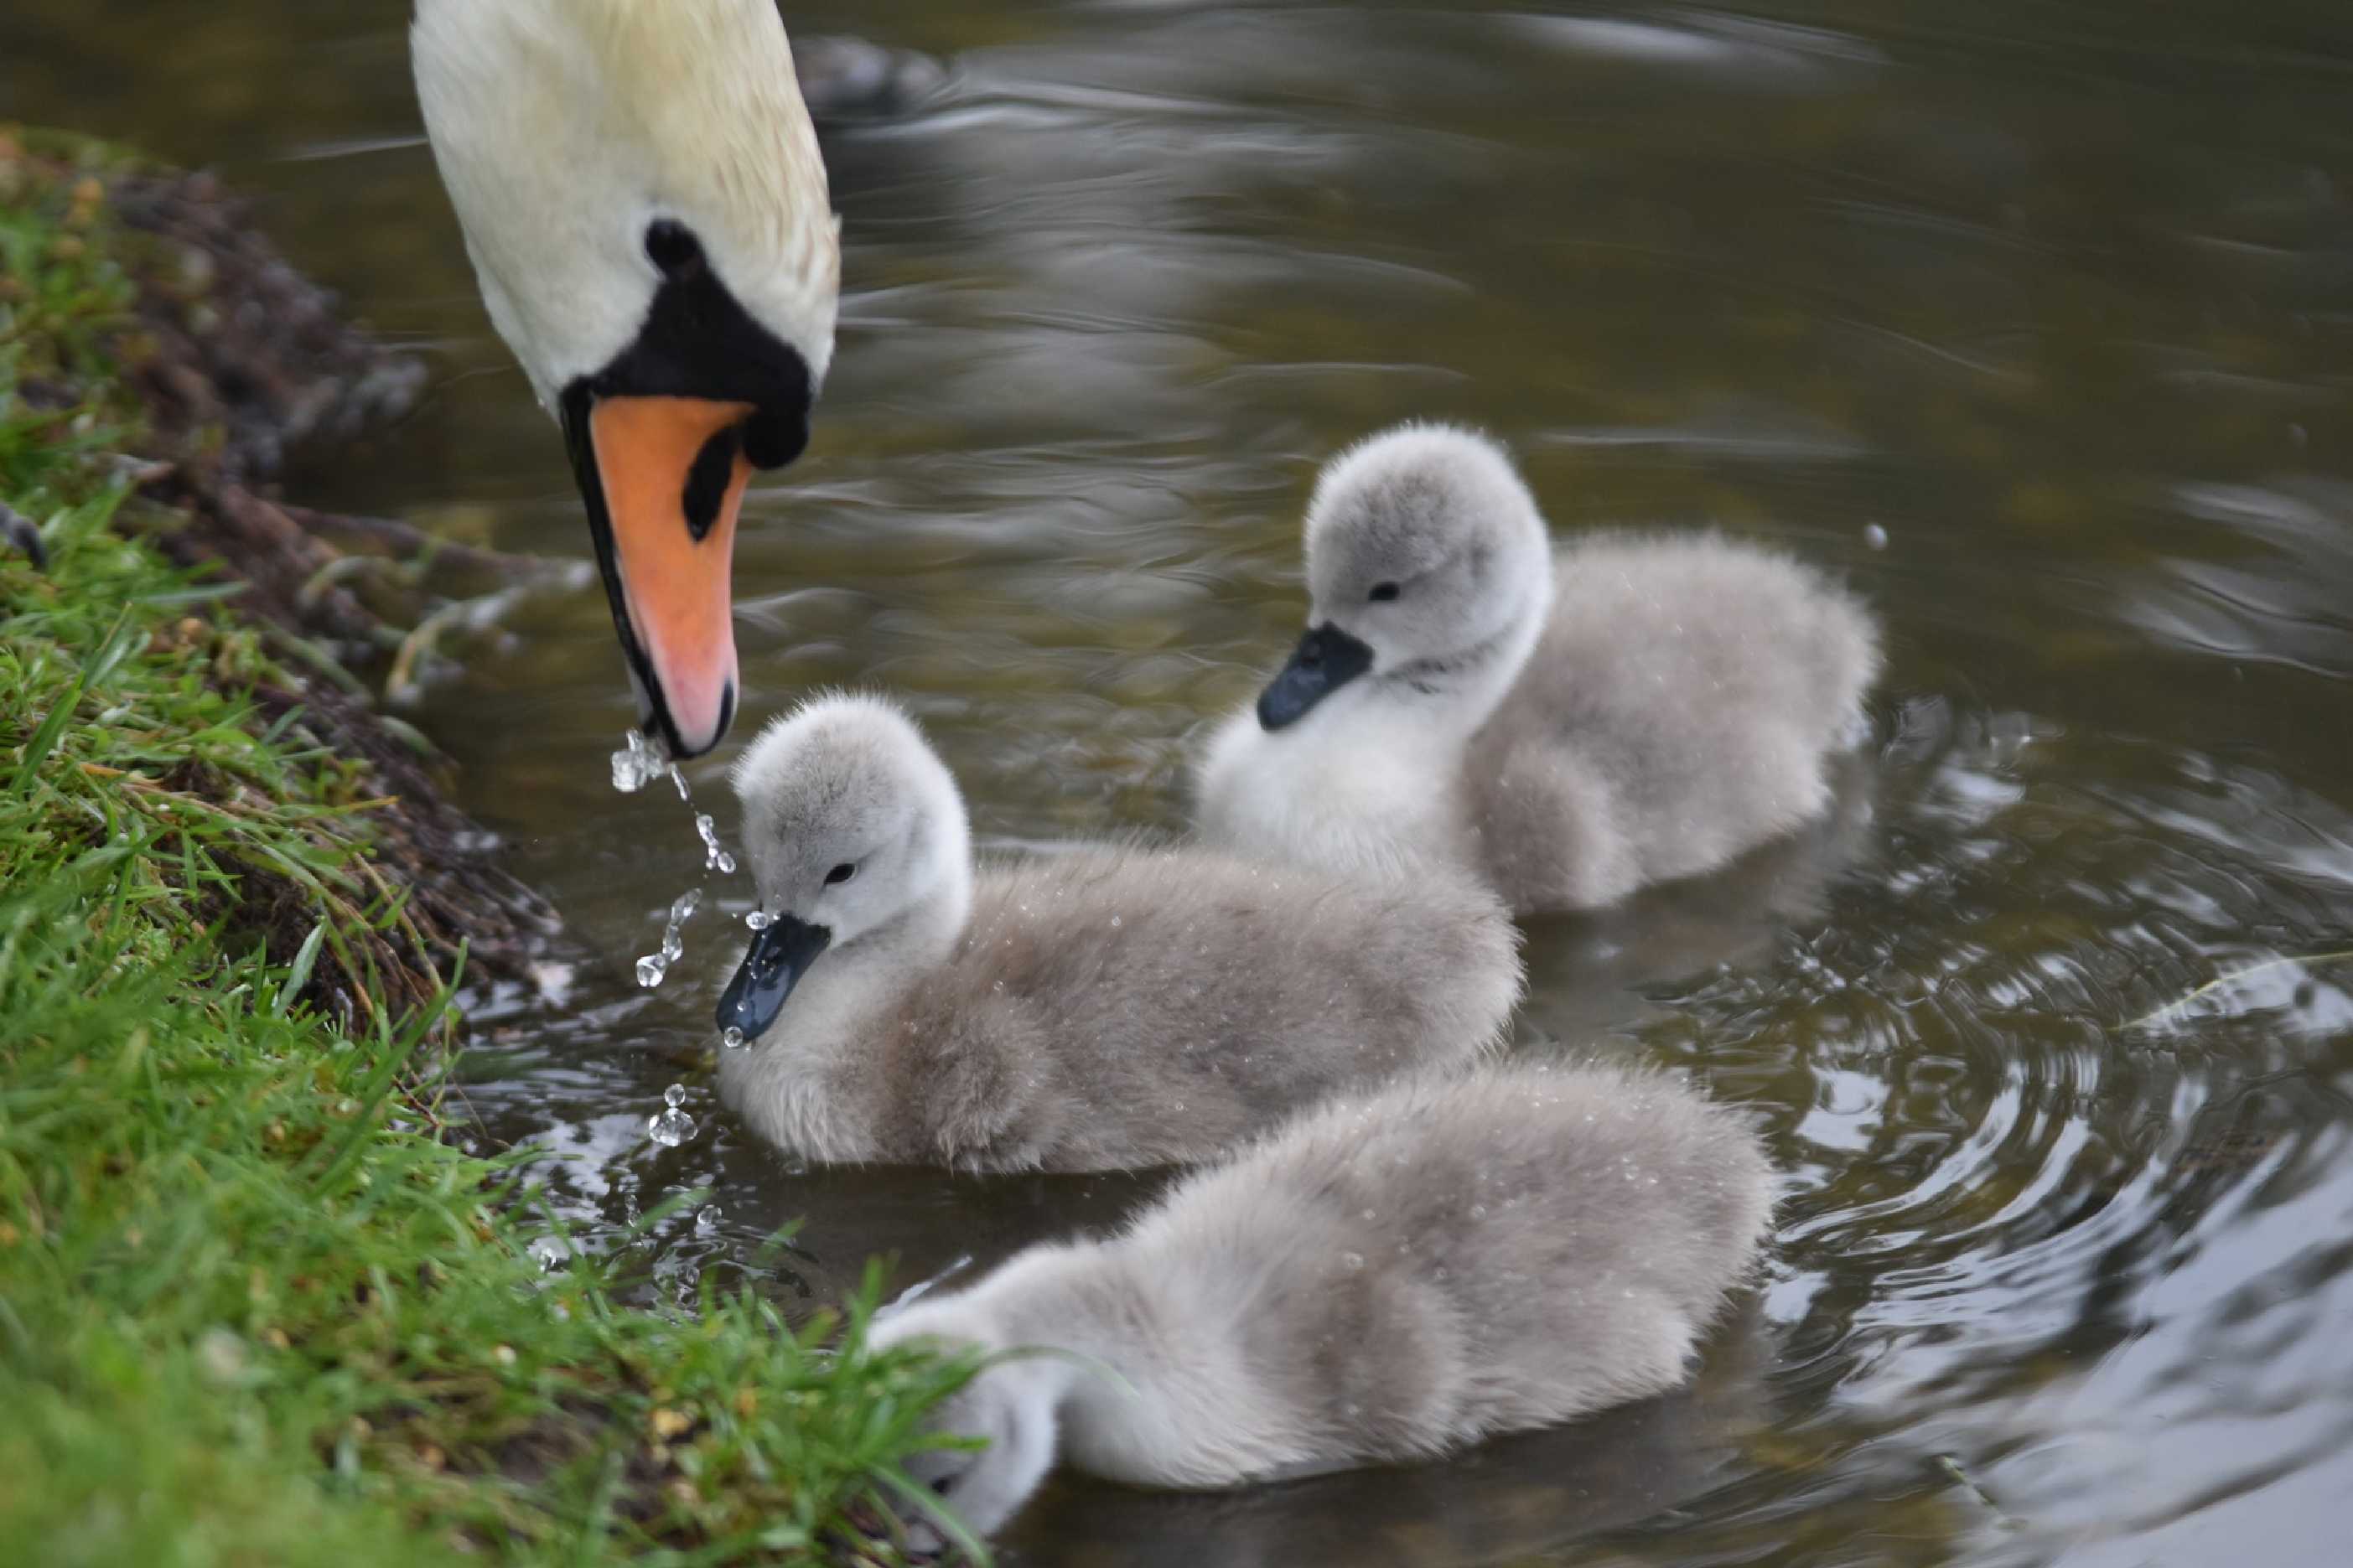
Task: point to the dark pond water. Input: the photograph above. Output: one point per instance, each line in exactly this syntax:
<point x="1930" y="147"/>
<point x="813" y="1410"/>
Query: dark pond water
<point x="2057" y="297"/>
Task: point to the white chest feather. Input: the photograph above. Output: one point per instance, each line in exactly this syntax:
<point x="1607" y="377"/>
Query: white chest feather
<point x="795" y="1084"/>
<point x="792" y="1103"/>
<point x="1379" y="797"/>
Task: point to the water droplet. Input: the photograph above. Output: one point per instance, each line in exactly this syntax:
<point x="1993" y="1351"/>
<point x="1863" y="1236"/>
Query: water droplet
<point x="655" y="967"/>
<point x="758" y="919"/>
<point x="637" y="763"/>
<point x="673" y="939"/>
<point x="1352" y="1260"/>
<point x="673" y="1126"/>
<point x="732" y="1038"/>
<point x="714" y="856"/>
<point x="1114" y="922"/>
<point x="1478" y="1211"/>
<point x="1874" y="536"/>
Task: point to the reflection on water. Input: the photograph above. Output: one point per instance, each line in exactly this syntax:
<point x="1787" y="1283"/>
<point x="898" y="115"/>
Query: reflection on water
<point x="2035" y="320"/>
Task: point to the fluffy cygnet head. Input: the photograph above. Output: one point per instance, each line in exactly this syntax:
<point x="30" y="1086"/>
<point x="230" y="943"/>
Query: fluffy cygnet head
<point x="1013" y="1409"/>
<point x="1012" y="1404"/>
<point x="1430" y="572"/>
<point x="851" y="822"/>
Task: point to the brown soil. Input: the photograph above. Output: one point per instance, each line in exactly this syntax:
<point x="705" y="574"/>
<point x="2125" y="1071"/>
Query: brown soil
<point x="241" y="359"/>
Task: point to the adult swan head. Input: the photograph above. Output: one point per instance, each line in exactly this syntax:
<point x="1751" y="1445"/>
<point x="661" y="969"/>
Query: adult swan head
<point x="646" y="208"/>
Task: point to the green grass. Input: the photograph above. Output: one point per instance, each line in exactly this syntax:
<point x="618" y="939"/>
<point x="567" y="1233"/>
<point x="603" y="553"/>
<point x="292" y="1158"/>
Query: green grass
<point x="254" y="1309"/>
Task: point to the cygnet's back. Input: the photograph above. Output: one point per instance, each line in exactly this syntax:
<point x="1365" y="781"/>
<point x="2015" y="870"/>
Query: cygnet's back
<point x="1388" y="1278"/>
<point x="1564" y="727"/>
<point x="1111" y="1007"/>
<point x="1104" y="1006"/>
<point x="1681" y="706"/>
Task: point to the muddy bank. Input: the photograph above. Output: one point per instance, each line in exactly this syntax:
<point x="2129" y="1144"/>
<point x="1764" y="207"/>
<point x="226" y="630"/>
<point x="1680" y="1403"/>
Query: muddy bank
<point x="224" y="361"/>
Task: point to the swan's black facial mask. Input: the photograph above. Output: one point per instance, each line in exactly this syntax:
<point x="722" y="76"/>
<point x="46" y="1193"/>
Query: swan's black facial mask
<point x="781" y="954"/>
<point x="1326" y="659"/>
<point x="663" y="442"/>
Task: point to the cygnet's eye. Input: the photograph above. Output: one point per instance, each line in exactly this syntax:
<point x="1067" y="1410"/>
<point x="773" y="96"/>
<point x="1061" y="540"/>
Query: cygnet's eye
<point x="840" y="874"/>
<point x="1383" y="593"/>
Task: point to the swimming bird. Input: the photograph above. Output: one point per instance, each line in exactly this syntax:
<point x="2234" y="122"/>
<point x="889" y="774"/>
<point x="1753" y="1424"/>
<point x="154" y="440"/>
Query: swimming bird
<point x="1108" y="1005"/>
<point x="1390" y="1278"/>
<point x="1562" y="726"/>
<point x="647" y="212"/>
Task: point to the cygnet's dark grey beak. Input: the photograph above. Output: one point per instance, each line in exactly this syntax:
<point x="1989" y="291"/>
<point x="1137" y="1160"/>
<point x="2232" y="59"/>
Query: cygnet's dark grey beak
<point x="781" y="954"/>
<point x="1326" y="659"/>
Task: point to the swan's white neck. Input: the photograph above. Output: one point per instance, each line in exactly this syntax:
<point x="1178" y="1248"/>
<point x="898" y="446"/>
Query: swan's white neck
<point x="563" y="128"/>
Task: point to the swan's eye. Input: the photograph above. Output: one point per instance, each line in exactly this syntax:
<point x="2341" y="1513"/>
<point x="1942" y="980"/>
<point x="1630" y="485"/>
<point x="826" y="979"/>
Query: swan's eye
<point x="673" y="247"/>
<point x="840" y="874"/>
<point x="1383" y="593"/>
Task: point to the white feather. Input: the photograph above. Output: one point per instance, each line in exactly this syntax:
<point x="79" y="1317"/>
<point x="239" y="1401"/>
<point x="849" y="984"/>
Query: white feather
<point x="563" y="128"/>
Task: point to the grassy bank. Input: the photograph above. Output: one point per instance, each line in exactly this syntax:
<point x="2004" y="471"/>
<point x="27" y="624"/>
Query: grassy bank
<point x="253" y="1308"/>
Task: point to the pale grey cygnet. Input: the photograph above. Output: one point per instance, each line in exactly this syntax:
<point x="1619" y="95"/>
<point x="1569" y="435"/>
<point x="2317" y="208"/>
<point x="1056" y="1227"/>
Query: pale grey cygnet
<point x="1561" y="726"/>
<point x="1389" y="1278"/>
<point x="1104" y="1006"/>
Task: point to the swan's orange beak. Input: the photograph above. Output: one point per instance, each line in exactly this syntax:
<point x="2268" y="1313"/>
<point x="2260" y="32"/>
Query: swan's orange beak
<point x="671" y="471"/>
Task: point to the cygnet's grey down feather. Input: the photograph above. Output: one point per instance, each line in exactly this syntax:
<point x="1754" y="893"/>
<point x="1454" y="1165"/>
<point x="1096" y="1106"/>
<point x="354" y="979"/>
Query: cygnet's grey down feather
<point x="1389" y="1278"/>
<point x="1104" y="1006"/>
<point x="1564" y="727"/>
